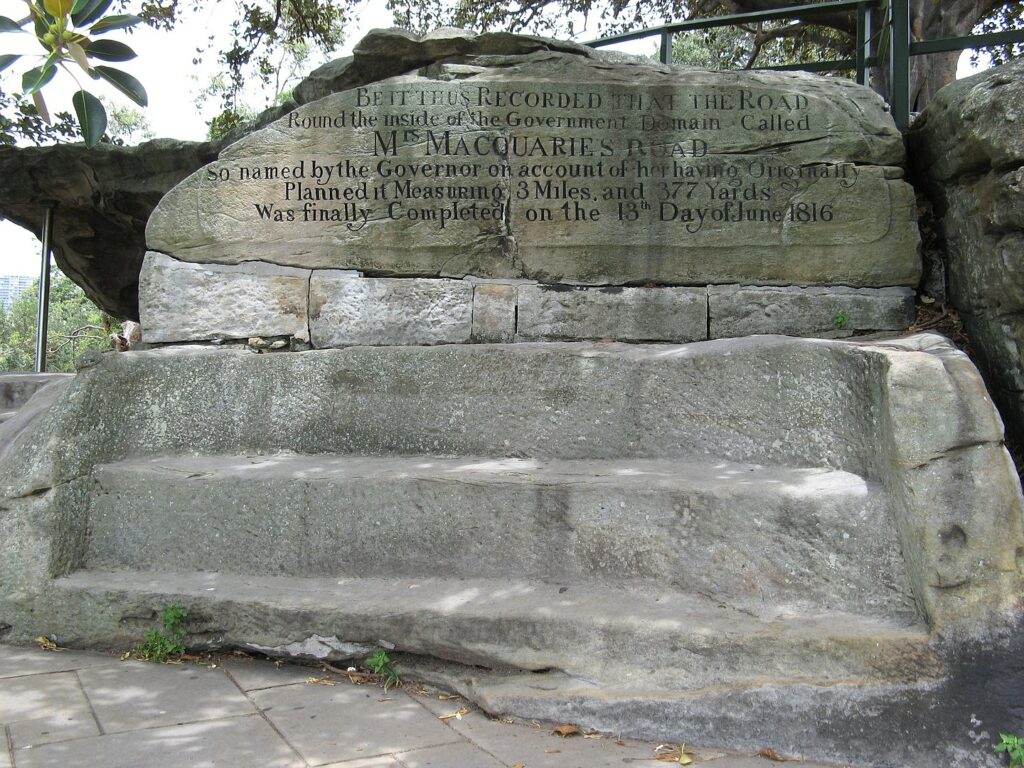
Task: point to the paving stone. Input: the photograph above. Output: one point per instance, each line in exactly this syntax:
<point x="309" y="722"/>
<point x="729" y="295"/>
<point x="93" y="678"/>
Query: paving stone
<point x="140" y="695"/>
<point x="383" y="761"/>
<point x="538" y="747"/>
<point x="39" y="709"/>
<point x="5" y="754"/>
<point x="259" y="674"/>
<point x="18" y="662"/>
<point x="344" y="722"/>
<point x="230" y="743"/>
<point x="462" y="755"/>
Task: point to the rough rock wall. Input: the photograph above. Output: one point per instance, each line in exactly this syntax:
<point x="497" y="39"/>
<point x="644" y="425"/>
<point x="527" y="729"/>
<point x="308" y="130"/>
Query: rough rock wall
<point x="968" y="150"/>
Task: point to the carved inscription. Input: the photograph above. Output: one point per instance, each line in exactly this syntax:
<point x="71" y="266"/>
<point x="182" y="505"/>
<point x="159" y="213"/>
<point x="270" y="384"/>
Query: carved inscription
<point x="528" y="157"/>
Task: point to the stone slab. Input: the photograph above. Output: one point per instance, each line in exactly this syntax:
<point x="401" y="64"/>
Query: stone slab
<point x="329" y="724"/>
<point x="384" y="311"/>
<point x="123" y="700"/>
<point x="18" y="662"/>
<point x="494" y="313"/>
<point x="681" y="525"/>
<point x="460" y="755"/>
<point x="180" y="301"/>
<point x="565" y="168"/>
<point x="17" y="388"/>
<point x="834" y="312"/>
<point x="46" y="708"/>
<point x="547" y="312"/>
<point x="255" y="674"/>
<point x="236" y="741"/>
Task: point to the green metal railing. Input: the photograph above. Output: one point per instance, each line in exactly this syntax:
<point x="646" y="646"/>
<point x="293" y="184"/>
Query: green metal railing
<point x="882" y="39"/>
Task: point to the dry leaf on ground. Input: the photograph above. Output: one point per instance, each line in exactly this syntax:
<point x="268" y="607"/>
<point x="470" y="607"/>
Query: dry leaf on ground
<point x="47" y="644"/>
<point x="320" y="681"/>
<point x="670" y="753"/>
<point x="770" y="754"/>
<point x="567" y="730"/>
<point x="457" y="715"/>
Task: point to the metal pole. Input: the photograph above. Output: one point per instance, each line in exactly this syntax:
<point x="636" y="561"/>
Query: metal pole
<point x="899" y="72"/>
<point x="43" y="316"/>
<point x="665" y="54"/>
<point x="862" y="35"/>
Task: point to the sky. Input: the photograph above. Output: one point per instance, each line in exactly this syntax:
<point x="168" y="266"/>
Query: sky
<point x="165" y="68"/>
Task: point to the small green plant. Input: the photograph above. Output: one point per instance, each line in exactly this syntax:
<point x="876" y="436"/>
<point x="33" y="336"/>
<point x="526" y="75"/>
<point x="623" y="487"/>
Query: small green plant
<point x="1013" y="746"/>
<point x="160" y="646"/>
<point x="840" y="320"/>
<point x="380" y="664"/>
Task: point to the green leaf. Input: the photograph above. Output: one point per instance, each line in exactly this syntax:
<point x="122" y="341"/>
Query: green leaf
<point x="7" y="59"/>
<point x="36" y="78"/>
<point x="109" y="50"/>
<point x="9" y="25"/>
<point x="111" y="23"/>
<point x="125" y="83"/>
<point x="79" y="6"/>
<point x="92" y="11"/>
<point x="92" y="117"/>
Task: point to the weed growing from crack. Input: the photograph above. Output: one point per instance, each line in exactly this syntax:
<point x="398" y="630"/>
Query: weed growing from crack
<point x="380" y="664"/>
<point x="161" y="646"/>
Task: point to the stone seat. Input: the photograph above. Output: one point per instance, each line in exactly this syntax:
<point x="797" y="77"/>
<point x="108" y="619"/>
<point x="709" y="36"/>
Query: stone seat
<point x="769" y="540"/>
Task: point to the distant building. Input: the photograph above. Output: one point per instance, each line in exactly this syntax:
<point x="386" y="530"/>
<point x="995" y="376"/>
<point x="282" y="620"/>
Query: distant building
<point x="11" y="286"/>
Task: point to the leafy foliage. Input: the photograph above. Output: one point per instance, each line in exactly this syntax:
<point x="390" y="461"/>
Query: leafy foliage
<point x="161" y="646"/>
<point x="75" y="325"/>
<point x="67" y="31"/>
<point x="1013" y="746"/>
<point x="380" y="664"/>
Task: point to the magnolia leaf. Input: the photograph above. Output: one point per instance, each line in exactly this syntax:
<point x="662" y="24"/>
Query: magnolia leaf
<point x="9" y="25"/>
<point x="770" y="754"/>
<point x="79" y="6"/>
<point x="7" y="59"/>
<point x="78" y="54"/>
<point x="110" y="23"/>
<point x="90" y="13"/>
<point x="37" y="99"/>
<point x="92" y="117"/>
<point x="36" y="78"/>
<point x="109" y="50"/>
<point x="125" y="83"/>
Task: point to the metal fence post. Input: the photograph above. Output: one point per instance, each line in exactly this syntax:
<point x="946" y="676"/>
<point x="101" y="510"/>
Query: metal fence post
<point x="43" y="313"/>
<point x="666" y="48"/>
<point x="899" y="62"/>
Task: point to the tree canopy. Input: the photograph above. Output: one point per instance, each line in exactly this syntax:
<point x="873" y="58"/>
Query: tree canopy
<point x="268" y="37"/>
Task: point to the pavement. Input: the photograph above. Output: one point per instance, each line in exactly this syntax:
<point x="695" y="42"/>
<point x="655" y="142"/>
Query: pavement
<point x="74" y="709"/>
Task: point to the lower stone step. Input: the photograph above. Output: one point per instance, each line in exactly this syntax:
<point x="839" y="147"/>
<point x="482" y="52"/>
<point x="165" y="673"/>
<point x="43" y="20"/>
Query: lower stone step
<point x="601" y="636"/>
<point x="769" y="540"/>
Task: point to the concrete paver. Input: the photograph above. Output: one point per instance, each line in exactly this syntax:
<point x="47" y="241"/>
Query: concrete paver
<point x="234" y="742"/>
<point x="343" y="722"/>
<point x="136" y="694"/>
<point x="44" y="708"/>
<point x="255" y="674"/>
<point x="81" y="710"/>
<point x="461" y="755"/>
<point x="17" y="662"/>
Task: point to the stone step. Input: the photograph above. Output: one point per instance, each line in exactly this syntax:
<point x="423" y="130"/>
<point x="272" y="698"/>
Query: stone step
<point x="620" y="638"/>
<point x="767" y="539"/>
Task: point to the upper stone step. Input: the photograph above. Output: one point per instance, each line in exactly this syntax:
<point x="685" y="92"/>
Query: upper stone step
<point x="774" y="541"/>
